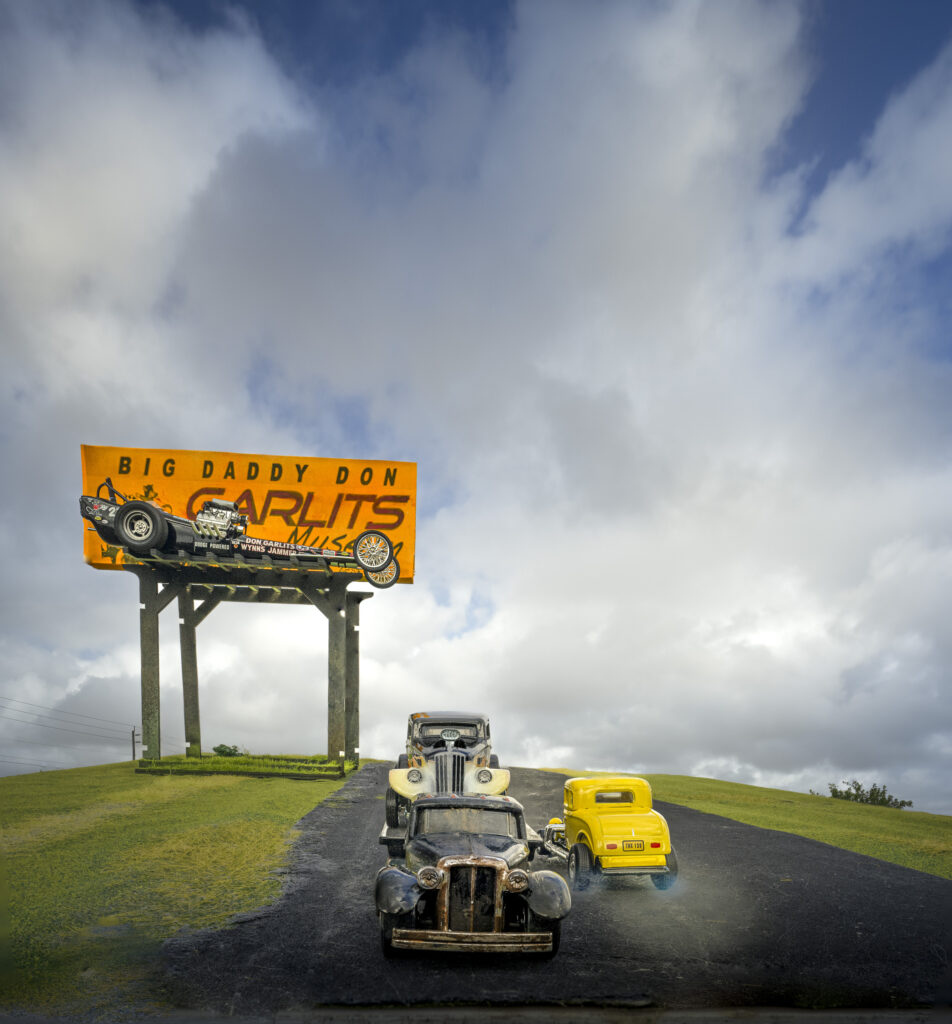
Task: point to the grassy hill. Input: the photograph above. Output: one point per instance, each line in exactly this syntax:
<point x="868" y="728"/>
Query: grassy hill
<point x="911" y="838"/>
<point x="102" y="864"/>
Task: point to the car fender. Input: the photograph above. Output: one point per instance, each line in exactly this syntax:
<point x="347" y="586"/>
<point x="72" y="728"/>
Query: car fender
<point x="581" y="835"/>
<point x="549" y="895"/>
<point x="498" y="785"/>
<point x="409" y="790"/>
<point x="397" y="891"/>
<point x="577" y="828"/>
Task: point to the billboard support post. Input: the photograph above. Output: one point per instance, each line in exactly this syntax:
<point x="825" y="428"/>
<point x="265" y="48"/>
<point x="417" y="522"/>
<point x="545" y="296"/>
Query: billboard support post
<point x="352" y="680"/>
<point x="161" y="582"/>
<point x="151" y="601"/>
<point x="189" y="618"/>
<point x="339" y="607"/>
<point x="149" y="661"/>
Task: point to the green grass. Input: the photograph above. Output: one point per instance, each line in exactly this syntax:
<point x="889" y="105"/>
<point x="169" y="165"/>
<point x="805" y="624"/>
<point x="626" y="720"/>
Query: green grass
<point x="911" y="838"/>
<point x="103" y="864"/>
<point x="300" y="767"/>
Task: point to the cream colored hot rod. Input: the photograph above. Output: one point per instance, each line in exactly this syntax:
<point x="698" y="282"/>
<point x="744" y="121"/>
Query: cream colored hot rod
<point x="447" y="752"/>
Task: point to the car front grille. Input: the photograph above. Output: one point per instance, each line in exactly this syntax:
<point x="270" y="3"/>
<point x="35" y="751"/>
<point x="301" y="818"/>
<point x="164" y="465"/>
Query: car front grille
<point x="450" y="765"/>
<point x="471" y="897"/>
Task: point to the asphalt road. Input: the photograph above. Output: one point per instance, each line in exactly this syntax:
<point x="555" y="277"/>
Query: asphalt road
<point x="758" y="918"/>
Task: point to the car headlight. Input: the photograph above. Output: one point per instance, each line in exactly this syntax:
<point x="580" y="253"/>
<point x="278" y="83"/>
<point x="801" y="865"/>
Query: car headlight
<point x="414" y="775"/>
<point x="517" y="881"/>
<point x="431" y="877"/>
<point x="484" y="775"/>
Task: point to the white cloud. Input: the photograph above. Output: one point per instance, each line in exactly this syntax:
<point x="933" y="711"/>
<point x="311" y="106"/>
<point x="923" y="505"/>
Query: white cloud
<point x="892" y="204"/>
<point x="689" y="471"/>
<point x="120" y="121"/>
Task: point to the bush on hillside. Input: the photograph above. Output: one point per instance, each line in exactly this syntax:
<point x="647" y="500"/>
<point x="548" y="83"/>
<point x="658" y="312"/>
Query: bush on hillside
<point x="858" y="794"/>
<point x="223" y="750"/>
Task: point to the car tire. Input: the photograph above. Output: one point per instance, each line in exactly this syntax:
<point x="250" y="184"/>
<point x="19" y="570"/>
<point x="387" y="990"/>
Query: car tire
<point x="386" y="577"/>
<point x="373" y="551"/>
<point x="581" y="867"/>
<point x="141" y="527"/>
<point x="392" y="804"/>
<point x="493" y="761"/>
<point x="387" y="924"/>
<point x="667" y="880"/>
<point x="403" y="761"/>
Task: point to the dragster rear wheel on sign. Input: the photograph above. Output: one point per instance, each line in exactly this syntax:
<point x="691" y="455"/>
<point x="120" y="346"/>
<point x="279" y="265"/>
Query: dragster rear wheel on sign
<point x="141" y="527"/>
<point x="373" y="551"/>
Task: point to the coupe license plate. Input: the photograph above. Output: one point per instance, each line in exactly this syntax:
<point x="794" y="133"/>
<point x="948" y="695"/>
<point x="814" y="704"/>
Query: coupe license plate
<point x="633" y="844"/>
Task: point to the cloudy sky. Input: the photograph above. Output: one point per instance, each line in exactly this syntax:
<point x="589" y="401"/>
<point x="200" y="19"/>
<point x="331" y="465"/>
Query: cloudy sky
<point x="657" y="295"/>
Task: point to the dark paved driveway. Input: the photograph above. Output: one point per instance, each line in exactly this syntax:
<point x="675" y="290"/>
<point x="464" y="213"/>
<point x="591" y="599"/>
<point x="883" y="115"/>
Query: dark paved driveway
<point x="758" y="918"/>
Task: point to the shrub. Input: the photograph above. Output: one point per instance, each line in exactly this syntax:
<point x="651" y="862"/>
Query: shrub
<point x="223" y="750"/>
<point x="855" y="792"/>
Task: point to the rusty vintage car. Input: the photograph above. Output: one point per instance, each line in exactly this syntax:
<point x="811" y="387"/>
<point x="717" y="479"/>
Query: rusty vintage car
<point x="458" y="879"/>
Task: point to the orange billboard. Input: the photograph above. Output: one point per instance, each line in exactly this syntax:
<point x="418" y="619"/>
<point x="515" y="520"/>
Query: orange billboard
<point x="317" y="502"/>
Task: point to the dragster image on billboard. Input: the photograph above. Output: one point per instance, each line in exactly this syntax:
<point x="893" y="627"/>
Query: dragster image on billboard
<point x="218" y="530"/>
<point x="350" y="515"/>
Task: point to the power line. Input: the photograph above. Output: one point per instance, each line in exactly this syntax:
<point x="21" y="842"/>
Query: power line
<point x="74" y="714"/>
<point x="78" y="732"/>
<point x="57" y="743"/>
<point x="36" y="716"/>
<point x="10" y="760"/>
<point x="26" y="764"/>
<point x="176" y="739"/>
<point x="59" y="728"/>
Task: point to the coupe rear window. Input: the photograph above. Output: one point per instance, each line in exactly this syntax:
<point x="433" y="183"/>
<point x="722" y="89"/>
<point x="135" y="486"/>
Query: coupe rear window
<point x="476" y="820"/>
<point x="620" y="796"/>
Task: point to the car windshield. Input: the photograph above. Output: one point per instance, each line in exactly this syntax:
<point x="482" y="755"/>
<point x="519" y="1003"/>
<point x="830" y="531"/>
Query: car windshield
<point x="476" y="820"/>
<point x="433" y="731"/>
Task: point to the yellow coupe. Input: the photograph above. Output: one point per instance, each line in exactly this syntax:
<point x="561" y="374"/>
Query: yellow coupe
<point x="610" y="828"/>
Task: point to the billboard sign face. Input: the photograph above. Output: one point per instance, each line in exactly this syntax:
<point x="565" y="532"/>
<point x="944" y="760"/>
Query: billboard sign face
<point x="318" y="502"/>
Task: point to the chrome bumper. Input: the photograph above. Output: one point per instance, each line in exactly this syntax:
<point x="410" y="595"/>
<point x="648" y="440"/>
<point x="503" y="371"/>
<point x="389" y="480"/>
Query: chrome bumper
<point x="657" y="869"/>
<point x="473" y="942"/>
